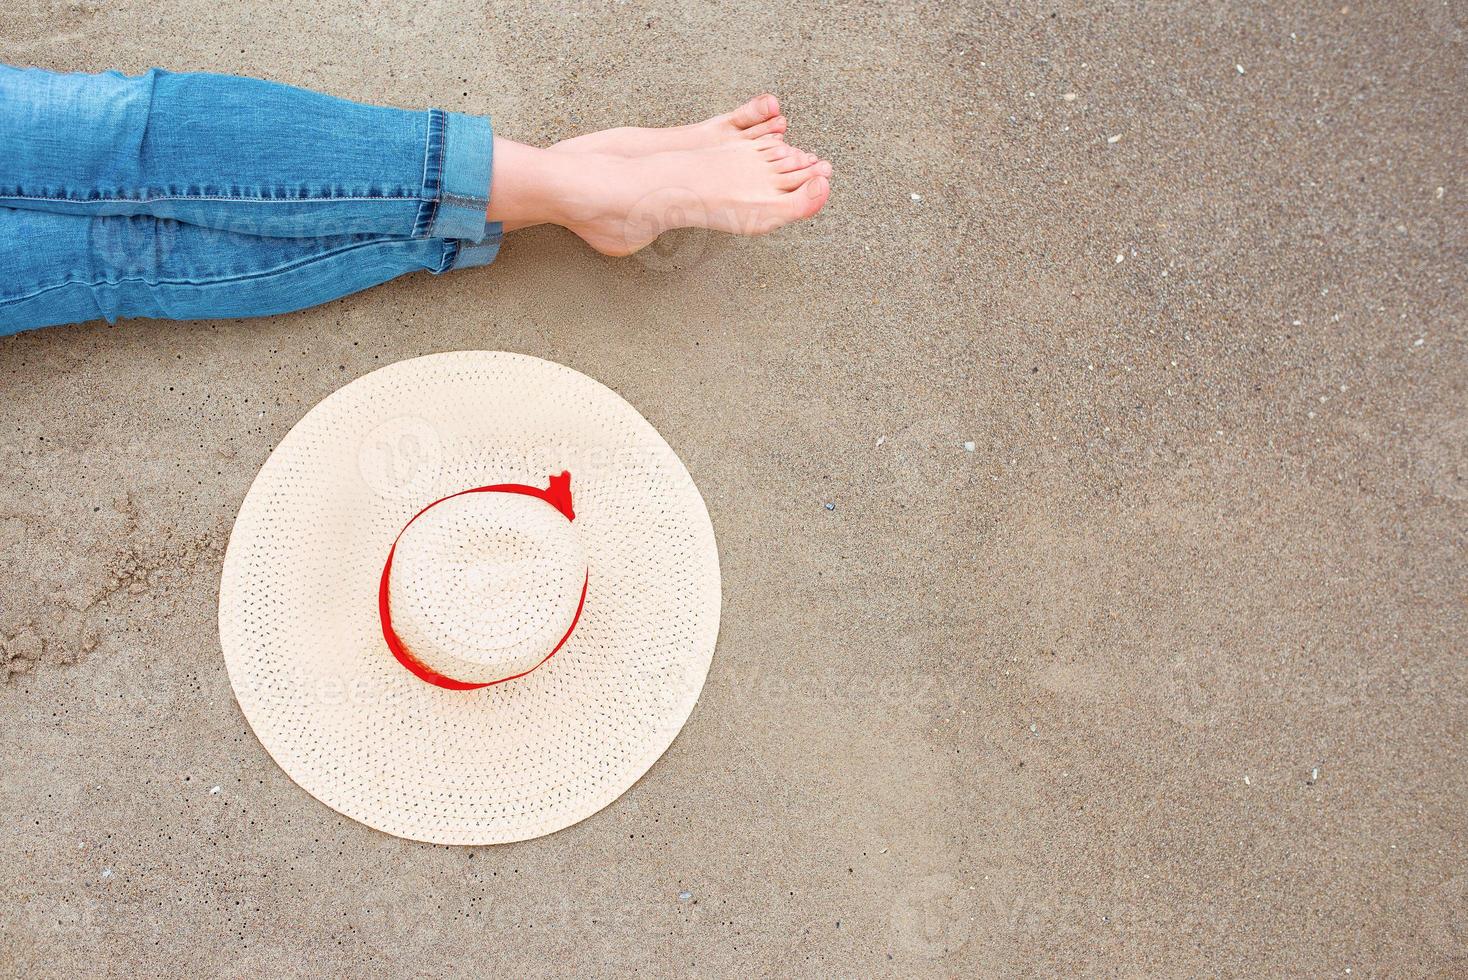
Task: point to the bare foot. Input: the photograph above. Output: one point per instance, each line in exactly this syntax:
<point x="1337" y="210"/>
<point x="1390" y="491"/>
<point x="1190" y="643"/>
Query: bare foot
<point x="618" y="204"/>
<point x="760" y="116"/>
<point x="740" y="186"/>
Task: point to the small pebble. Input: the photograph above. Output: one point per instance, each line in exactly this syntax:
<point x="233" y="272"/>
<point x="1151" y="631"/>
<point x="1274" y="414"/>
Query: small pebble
<point x="968" y="447"/>
<point x="215" y="790"/>
<point x="1240" y="68"/>
<point x="1246" y="781"/>
<point x="1069" y="96"/>
<point x="916" y="197"/>
<point x="684" y="896"/>
<point x="830" y="506"/>
<point x="881" y="439"/>
<point x="1114" y="139"/>
<point x="1120" y="258"/>
<point x="106" y="872"/>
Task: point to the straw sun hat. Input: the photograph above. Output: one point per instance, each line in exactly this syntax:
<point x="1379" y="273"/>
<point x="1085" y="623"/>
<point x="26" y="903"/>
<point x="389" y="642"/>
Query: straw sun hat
<point x="470" y="598"/>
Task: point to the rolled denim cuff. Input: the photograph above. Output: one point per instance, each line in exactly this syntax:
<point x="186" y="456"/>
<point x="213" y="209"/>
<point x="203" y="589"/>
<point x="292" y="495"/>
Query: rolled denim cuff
<point x="482" y="252"/>
<point x="458" y="168"/>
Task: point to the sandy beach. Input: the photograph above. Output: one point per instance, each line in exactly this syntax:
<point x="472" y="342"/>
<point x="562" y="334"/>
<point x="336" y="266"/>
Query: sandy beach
<point x="1089" y="481"/>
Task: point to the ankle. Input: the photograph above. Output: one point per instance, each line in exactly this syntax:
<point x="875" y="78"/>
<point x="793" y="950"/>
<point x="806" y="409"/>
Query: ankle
<point x="536" y="186"/>
<point x="589" y="186"/>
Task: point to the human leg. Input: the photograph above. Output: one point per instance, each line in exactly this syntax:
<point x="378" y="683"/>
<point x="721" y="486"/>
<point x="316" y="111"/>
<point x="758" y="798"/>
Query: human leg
<point x="239" y="154"/>
<point x="66" y="268"/>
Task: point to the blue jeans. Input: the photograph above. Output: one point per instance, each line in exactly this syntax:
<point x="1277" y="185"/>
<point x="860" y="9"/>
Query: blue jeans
<point x="187" y="196"/>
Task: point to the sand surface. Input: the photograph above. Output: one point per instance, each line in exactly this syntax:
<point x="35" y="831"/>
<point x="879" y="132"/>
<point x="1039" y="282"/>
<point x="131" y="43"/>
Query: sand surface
<point x="1131" y="354"/>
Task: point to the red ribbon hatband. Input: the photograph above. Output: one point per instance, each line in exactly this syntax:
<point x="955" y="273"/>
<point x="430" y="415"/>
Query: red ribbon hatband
<point x="558" y="495"/>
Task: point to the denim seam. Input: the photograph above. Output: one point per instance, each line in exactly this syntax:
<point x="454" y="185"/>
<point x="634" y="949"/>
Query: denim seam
<point x="287" y="267"/>
<point x="459" y="200"/>
<point x="203" y="197"/>
<point x="443" y="162"/>
<point x="427" y="140"/>
<point x="433" y="164"/>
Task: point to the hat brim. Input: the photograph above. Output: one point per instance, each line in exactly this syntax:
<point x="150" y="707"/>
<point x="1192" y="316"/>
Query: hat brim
<point x="302" y="641"/>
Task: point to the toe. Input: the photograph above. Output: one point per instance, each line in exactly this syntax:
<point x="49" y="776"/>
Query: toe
<point x="777" y="125"/>
<point x="792" y="179"/>
<point x="789" y="162"/>
<point x="755" y="111"/>
<point x="812" y="197"/>
<point x="800" y="160"/>
<point x="799" y="203"/>
<point x="780" y="151"/>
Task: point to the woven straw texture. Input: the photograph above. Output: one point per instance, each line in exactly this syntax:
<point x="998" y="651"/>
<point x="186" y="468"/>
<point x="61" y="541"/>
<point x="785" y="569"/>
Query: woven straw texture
<point x="485" y="584"/>
<point x="299" y="624"/>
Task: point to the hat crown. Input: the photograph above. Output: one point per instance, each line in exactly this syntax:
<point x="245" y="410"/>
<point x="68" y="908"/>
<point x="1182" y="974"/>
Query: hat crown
<point x="485" y="585"/>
